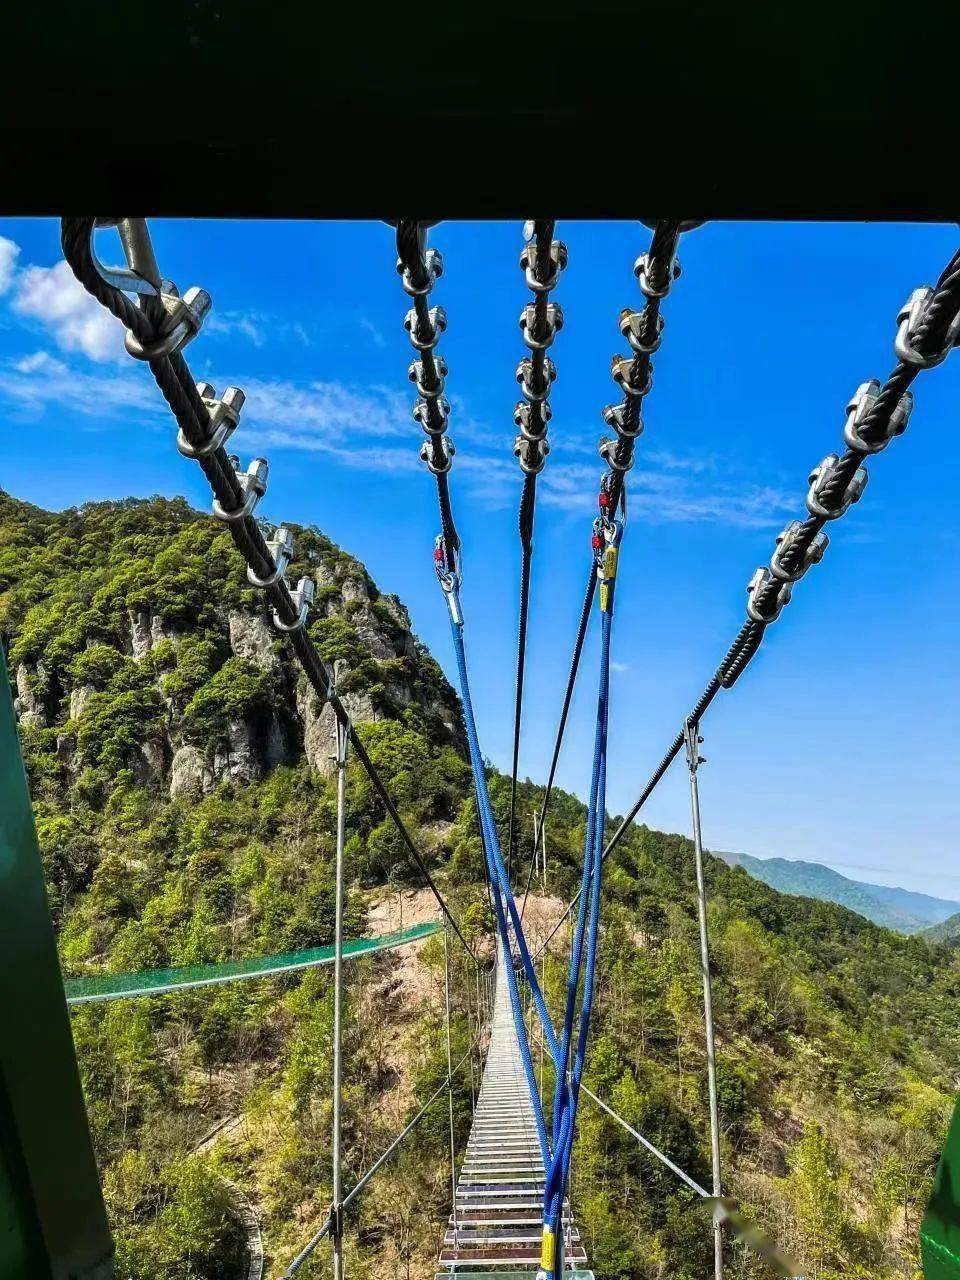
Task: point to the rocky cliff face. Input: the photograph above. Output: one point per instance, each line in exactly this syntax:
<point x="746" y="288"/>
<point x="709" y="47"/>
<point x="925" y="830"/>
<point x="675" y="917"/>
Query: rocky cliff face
<point x="140" y="660"/>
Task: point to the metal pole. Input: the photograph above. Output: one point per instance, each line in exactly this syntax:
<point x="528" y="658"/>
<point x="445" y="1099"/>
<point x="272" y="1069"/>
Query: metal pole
<point x="336" y="1209"/>
<point x="691" y="733"/>
<point x="453" y="1154"/>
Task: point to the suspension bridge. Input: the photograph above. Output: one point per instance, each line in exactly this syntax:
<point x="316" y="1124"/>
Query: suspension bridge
<point x="511" y="1212"/>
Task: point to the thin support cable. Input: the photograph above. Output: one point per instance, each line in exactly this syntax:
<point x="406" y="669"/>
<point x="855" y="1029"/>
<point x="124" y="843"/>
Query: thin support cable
<point x="694" y="760"/>
<point x="645" y="1142"/>
<point x="336" y="1208"/>
<point x="293" y="1267"/>
<point x="453" y="1148"/>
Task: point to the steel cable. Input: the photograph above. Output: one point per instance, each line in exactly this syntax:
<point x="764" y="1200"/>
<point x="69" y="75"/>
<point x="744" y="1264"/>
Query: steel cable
<point x="179" y="390"/>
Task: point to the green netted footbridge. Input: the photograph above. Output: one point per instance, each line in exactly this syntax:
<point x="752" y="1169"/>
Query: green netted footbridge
<point x="155" y="982"/>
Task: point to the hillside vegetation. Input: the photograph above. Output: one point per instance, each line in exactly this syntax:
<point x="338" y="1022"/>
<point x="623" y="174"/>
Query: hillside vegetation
<point x="889" y="905"/>
<point x="839" y="1041"/>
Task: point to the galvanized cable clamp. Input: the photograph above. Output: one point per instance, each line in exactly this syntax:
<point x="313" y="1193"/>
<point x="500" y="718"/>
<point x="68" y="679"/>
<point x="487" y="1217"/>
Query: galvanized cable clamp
<point x="437" y="319"/>
<point x="253" y="485"/>
<point x="524" y="374"/>
<point x="528" y="262"/>
<point x="608" y="451"/>
<point x="446" y="561"/>
<point x="425" y="410"/>
<point x="821" y="476"/>
<point x="692" y="740"/>
<point x="859" y="409"/>
<point x="303" y="597"/>
<point x="428" y="453"/>
<point x="621" y="367"/>
<point x="786" y="541"/>
<point x="909" y="318"/>
<point x="223" y="414"/>
<point x="280" y="547"/>
<point x="758" y="583"/>
<point x="181" y="323"/>
<point x="433" y="269"/>
<point x="523" y="415"/>
<point x="531" y="452"/>
<point x="632" y="324"/>
<point x="553" y="323"/>
<point x="646" y="266"/>
<point x="416" y="375"/>
<point x="613" y="416"/>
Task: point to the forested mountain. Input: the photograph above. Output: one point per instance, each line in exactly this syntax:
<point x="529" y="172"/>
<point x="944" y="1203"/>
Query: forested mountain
<point x="947" y="931"/>
<point x="889" y="905"/>
<point x="185" y="814"/>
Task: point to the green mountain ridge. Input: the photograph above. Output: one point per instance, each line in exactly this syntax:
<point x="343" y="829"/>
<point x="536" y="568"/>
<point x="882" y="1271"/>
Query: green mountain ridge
<point x="901" y="909"/>
<point x="946" y="931"/>
<point x="129" y="624"/>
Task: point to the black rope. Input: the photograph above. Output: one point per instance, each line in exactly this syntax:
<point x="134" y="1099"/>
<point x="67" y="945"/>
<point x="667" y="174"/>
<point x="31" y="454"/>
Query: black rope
<point x="928" y="340"/>
<point x="527" y="509"/>
<point x="179" y="390"/>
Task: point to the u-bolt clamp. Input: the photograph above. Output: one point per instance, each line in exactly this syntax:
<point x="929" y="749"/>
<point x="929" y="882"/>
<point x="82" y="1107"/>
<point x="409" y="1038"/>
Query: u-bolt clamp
<point x="642" y="270"/>
<point x="433" y="270"/>
<point x="859" y="408"/>
<point x="180" y="324"/>
<point x="821" y="476"/>
<point x="757" y="584"/>
<point x="525" y="373"/>
<point x="280" y="547"/>
<point x="621" y="367"/>
<point x="522" y="415"/>
<point x="631" y="325"/>
<point x="437" y="320"/>
<point x="528" y="263"/>
<point x="785" y="542"/>
<point x="302" y="598"/>
<point x="224" y="414"/>
<point x="909" y="318"/>
<point x="428" y="454"/>
<point x="608" y="451"/>
<point x="415" y="374"/>
<point x="613" y="416"/>
<point x="531" y="452"/>
<point x="253" y="485"/>
<point x="425" y="410"/>
<point x="553" y="325"/>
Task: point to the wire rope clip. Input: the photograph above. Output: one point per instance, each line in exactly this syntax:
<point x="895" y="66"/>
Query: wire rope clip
<point x="909" y="319"/>
<point x="529" y="260"/>
<point x="632" y="326"/>
<point x="610" y="452"/>
<point x="758" y="586"/>
<point x="692" y="739"/>
<point x="302" y="599"/>
<point x="180" y="324"/>
<point x="821" y="479"/>
<point x="433" y="415"/>
<point x="859" y="409"/>
<point x="223" y="414"/>
<point x="436" y="324"/>
<point x="446" y="561"/>
<point x="553" y="323"/>
<point x="532" y="419"/>
<point x="525" y="374"/>
<point x="786" y="541"/>
<point x="531" y="452"/>
<point x="280" y="547"/>
<point x="622" y="369"/>
<point x="253" y="485"/>
<point x="429" y="451"/>
<point x="429" y="391"/>
<point x="649" y="271"/>
<point x="433" y="270"/>
<point x="613" y="416"/>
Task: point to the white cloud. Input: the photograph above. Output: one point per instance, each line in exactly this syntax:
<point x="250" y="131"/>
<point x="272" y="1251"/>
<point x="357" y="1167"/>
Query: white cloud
<point x="620" y="667"/>
<point x="33" y="383"/>
<point x="75" y="320"/>
<point x="9" y="252"/>
<point x="249" y="324"/>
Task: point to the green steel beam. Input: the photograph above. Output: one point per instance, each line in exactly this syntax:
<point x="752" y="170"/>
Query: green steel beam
<point x="53" y="1224"/>
<point x="940" y="1232"/>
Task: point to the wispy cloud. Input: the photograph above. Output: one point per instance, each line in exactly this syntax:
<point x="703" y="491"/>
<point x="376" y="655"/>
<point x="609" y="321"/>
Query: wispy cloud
<point x="248" y="324"/>
<point x="9" y="252"/>
<point x="55" y="300"/>
<point x="32" y="383"/>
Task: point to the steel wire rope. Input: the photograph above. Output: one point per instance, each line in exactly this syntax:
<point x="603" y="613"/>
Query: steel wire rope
<point x="928" y="327"/>
<point x="179" y="390"/>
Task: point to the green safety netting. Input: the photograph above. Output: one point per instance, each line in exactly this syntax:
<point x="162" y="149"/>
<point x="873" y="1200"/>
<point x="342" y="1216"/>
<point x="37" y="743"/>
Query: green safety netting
<point x="940" y="1232"/>
<point x="152" y="982"/>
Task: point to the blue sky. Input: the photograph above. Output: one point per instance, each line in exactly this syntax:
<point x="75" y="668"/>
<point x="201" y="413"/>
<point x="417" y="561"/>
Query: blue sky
<point x="836" y="746"/>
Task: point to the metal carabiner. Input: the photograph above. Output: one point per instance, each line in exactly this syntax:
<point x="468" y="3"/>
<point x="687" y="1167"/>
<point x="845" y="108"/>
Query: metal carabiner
<point x="447" y="564"/>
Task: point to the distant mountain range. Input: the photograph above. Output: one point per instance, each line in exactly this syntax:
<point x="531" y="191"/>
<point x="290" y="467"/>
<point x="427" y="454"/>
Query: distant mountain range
<point x="899" y="909"/>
